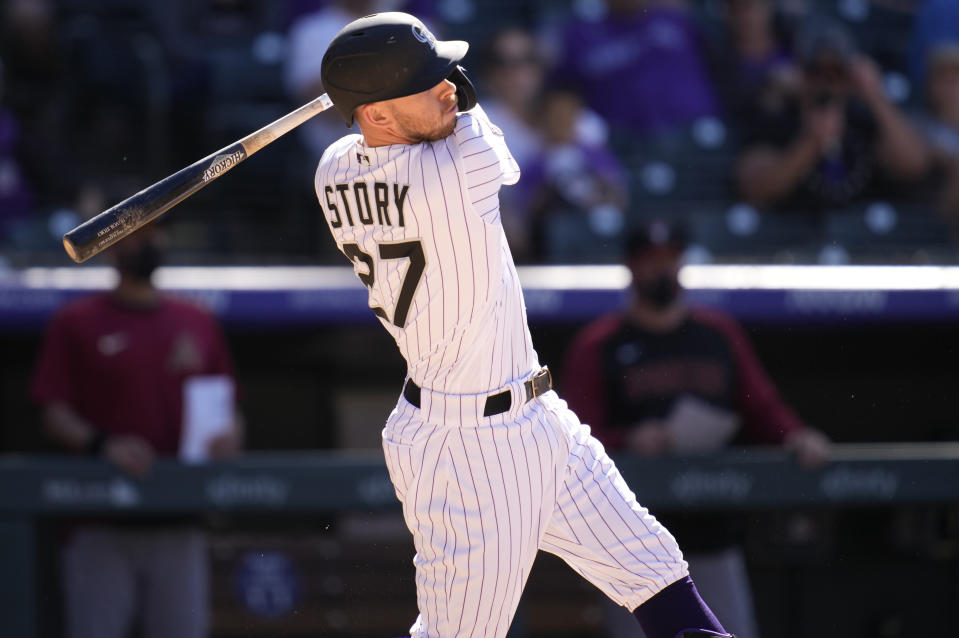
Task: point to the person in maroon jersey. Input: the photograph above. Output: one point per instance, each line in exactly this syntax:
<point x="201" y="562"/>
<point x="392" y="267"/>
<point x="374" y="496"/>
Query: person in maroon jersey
<point x="109" y="382"/>
<point x="660" y="376"/>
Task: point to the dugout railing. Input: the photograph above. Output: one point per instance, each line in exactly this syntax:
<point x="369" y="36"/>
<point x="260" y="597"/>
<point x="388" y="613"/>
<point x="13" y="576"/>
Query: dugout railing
<point x="34" y="488"/>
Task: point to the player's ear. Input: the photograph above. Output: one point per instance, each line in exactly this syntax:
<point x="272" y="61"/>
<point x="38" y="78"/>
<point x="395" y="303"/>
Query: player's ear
<point x="374" y="114"/>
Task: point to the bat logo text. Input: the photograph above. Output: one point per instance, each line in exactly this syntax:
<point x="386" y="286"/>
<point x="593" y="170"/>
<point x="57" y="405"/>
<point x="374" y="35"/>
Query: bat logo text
<point x="223" y="163"/>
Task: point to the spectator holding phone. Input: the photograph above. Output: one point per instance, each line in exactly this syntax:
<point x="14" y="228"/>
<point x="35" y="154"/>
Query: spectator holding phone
<point x="837" y="140"/>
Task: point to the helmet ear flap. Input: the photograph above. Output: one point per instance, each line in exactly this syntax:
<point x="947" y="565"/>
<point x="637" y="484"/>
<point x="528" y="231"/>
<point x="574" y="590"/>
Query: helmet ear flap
<point x="465" y="92"/>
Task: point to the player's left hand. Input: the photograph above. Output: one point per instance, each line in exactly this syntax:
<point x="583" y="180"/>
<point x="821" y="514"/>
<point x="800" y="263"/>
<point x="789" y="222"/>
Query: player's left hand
<point x="812" y="447"/>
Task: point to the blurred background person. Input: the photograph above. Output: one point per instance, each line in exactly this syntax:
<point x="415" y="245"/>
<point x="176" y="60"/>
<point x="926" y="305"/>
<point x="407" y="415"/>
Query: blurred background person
<point x="570" y="184"/>
<point x="939" y="123"/>
<point x="512" y="76"/>
<point x="661" y="376"/>
<point x="36" y="181"/>
<point x="935" y="22"/>
<point x="144" y="346"/>
<point x="640" y="65"/>
<point x="38" y="171"/>
<point x="752" y="59"/>
<point x="837" y="140"/>
<point x="513" y="68"/>
<point x="307" y="39"/>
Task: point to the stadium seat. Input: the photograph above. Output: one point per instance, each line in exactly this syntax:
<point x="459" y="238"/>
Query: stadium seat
<point x="569" y="238"/>
<point x="691" y="164"/>
<point x="887" y="232"/>
<point x="741" y="232"/>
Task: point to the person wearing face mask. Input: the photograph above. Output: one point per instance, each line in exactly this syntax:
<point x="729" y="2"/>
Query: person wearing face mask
<point x="144" y="346"/>
<point x="663" y="376"/>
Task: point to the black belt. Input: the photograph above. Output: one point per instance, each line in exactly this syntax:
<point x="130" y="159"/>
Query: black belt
<point x="540" y="383"/>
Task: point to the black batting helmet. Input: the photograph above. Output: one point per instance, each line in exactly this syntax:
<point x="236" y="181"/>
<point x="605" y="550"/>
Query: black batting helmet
<point x="389" y="55"/>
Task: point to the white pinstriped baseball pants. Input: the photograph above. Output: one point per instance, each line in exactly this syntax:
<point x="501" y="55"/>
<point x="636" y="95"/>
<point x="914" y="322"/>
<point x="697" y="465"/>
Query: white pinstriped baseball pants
<point x="482" y="495"/>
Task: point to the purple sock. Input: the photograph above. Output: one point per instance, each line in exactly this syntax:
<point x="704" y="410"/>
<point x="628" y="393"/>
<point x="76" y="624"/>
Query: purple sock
<point x="674" y="609"/>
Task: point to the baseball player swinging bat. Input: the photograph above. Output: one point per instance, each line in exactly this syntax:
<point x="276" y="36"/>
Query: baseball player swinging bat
<point x="113" y="224"/>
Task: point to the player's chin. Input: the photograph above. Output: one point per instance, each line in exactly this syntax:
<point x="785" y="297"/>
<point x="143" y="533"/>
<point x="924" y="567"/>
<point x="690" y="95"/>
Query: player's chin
<point x="443" y="130"/>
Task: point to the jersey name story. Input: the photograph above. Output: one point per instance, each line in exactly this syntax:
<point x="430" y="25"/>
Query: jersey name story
<point x="420" y="223"/>
<point x="371" y="202"/>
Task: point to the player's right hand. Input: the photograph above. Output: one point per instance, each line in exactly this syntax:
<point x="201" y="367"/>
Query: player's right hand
<point x="131" y="454"/>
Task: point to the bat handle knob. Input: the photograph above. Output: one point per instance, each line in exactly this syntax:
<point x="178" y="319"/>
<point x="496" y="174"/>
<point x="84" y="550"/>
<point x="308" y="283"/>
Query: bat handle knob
<point x="71" y="249"/>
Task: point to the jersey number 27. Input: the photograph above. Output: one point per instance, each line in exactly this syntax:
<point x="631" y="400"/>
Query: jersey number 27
<point x="412" y="250"/>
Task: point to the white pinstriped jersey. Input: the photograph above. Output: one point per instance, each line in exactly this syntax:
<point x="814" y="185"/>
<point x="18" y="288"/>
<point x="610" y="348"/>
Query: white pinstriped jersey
<point x="482" y="493"/>
<point x="421" y="224"/>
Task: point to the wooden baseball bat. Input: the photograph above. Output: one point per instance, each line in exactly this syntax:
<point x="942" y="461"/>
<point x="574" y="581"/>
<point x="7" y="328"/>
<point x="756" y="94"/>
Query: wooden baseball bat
<point x="113" y="224"/>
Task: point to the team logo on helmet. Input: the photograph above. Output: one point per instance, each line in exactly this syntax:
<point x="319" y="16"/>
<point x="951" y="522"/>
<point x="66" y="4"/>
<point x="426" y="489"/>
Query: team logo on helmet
<point x="423" y="35"/>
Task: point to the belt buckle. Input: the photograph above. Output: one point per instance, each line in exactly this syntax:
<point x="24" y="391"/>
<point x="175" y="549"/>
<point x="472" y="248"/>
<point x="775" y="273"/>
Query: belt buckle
<point x="534" y="386"/>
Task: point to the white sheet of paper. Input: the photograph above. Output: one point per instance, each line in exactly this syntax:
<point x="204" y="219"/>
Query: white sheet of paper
<point x="207" y="412"/>
<point x="697" y="426"/>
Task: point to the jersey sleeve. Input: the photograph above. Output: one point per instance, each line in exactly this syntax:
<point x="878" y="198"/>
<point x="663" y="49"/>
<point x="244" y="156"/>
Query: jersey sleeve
<point x="583" y="383"/>
<point x="52" y="376"/>
<point x="220" y="360"/>
<point x="766" y="416"/>
<point x="487" y="161"/>
<point x="207" y="328"/>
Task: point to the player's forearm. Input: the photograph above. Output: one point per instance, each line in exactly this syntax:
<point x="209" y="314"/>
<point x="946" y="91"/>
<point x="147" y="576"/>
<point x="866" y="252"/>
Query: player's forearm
<point x="67" y="428"/>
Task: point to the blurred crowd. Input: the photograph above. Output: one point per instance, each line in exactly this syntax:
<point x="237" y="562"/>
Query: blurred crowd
<point x="648" y="132"/>
<point x="787" y="130"/>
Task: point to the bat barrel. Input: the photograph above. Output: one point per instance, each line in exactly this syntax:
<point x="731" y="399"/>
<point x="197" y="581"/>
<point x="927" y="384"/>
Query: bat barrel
<point x="102" y="231"/>
<point x="113" y="224"/>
